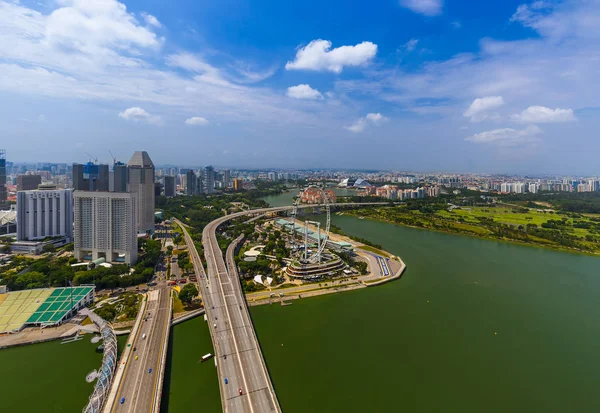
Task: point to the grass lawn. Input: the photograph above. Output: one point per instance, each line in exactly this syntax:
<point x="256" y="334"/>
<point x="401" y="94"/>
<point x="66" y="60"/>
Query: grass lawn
<point x="374" y="250"/>
<point x="177" y="305"/>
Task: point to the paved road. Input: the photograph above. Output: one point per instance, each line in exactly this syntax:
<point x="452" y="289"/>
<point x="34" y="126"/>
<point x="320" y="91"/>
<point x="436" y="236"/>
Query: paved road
<point x="138" y="386"/>
<point x="239" y="358"/>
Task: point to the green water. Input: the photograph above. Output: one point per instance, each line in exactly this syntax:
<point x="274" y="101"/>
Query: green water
<point x="188" y="383"/>
<point x="48" y="377"/>
<point x="472" y="326"/>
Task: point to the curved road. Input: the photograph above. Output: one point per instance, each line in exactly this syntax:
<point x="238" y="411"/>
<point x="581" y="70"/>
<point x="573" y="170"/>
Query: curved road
<point x="238" y="355"/>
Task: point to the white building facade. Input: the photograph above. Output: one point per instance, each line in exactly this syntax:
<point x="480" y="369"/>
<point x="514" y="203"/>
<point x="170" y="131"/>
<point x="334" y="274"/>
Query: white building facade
<point x="105" y="226"/>
<point x="44" y="213"/>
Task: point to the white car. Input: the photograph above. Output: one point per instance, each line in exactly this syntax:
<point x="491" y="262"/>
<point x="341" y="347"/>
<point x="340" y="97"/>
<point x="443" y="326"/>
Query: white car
<point x="143" y="336"/>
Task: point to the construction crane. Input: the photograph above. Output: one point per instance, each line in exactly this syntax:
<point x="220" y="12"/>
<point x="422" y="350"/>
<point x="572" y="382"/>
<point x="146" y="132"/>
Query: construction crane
<point x="113" y="157"/>
<point x="92" y="158"/>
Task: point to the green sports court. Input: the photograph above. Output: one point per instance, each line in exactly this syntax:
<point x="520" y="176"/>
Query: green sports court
<point x="41" y="307"/>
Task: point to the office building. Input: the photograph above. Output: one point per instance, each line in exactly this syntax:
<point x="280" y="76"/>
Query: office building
<point x="191" y="181"/>
<point x="157" y="189"/>
<point x="44" y="213"/>
<point x="140" y="181"/>
<point x="28" y="182"/>
<point x="90" y="177"/>
<point x="169" y="184"/>
<point x="105" y="226"/>
<point x="208" y="180"/>
<point x="118" y="178"/>
<point x="3" y="194"/>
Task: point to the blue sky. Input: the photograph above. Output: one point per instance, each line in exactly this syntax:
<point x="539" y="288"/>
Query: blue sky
<point x="427" y="85"/>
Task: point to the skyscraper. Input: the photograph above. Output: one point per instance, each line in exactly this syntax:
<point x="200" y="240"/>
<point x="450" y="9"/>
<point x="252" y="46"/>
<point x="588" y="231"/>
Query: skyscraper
<point x="208" y="180"/>
<point x="44" y="213"/>
<point x="90" y="177"/>
<point x="3" y="194"/>
<point x="105" y="226"/>
<point x="190" y="178"/>
<point x="119" y="177"/>
<point x="140" y="181"/>
<point x="169" y="183"/>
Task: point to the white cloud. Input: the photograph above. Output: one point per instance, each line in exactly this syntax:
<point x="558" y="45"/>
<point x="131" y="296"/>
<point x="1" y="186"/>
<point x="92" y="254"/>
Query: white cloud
<point x="196" y="120"/>
<point x="358" y="126"/>
<point x="303" y="92"/>
<point x="151" y="20"/>
<point x="90" y="25"/>
<point x="542" y="114"/>
<point x="137" y="114"/>
<point x="480" y="107"/>
<point x="456" y="24"/>
<point x="411" y="45"/>
<point x="376" y="118"/>
<point x="425" y="7"/>
<point x="362" y="123"/>
<point x="318" y="56"/>
<point x="507" y="136"/>
<point x="207" y="73"/>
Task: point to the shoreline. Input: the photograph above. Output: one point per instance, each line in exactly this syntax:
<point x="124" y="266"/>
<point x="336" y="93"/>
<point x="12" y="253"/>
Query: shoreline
<point x="329" y="289"/>
<point x="502" y="240"/>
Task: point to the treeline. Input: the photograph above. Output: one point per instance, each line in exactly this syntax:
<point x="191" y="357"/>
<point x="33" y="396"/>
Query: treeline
<point x="27" y="273"/>
<point x="580" y="202"/>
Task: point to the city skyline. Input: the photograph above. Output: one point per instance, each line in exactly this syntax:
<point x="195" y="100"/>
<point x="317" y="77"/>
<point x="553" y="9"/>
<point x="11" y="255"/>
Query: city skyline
<point x="415" y="85"/>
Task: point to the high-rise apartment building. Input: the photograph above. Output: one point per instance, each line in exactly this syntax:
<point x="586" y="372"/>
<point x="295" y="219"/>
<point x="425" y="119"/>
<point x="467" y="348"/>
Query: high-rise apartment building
<point x="90" y="177"/>
<point x="3" y="194"/>
<point x="44" y="213"/>
<point x="28" y="182"/>
<point x="169" y="184"/>
<point x="208" y="180"/>
<point x="140" y="181"/>
<point x="105" y="226"/>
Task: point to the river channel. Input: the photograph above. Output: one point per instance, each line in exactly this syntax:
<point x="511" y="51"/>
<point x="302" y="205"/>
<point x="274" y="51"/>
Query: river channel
<point x="472" y="326"/>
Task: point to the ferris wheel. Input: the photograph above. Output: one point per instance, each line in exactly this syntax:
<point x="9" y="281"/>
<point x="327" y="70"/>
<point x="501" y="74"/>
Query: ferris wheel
<point x="322" y="233"/>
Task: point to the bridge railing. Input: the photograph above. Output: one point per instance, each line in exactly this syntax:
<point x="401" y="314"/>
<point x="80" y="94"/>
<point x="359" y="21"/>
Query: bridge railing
<point x="109" y="364"/>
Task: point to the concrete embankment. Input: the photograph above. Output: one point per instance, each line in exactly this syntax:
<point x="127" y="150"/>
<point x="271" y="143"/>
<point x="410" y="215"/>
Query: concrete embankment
<point x="187" y="316"/>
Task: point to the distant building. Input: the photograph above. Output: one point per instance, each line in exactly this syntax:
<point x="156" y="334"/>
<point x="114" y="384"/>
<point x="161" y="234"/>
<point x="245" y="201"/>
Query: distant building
<point x="272" y="176"/>
<point x="90" y="177"/>
<point x="157" y="189"/>
<point x="226" y="177"/>
<point x="237" y="184"/>
<point x="191" y="181"/>
<point x="28" y="182"/>
<point x="533" y="188"/>
<point x="208" y="180"/>
<point x="313" y="195"/>
<point x="105" y="226"/>
<point x="140" y="181"/>
<point x="3" y="193"/>
<point x="45" y="213"/>
<point x="169" y="186"/>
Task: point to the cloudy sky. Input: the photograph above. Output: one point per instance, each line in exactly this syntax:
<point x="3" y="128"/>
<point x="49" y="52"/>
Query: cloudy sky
<point x="428" y="85"/>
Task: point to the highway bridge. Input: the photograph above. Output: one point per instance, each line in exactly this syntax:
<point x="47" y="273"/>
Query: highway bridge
<point x="140" y="385"/>
<point x="244" y="381"/>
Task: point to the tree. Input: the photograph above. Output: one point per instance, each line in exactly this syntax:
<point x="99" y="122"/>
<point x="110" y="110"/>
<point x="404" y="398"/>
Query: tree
<point x="49" y="248"/>
<point x="188" y="293"/>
